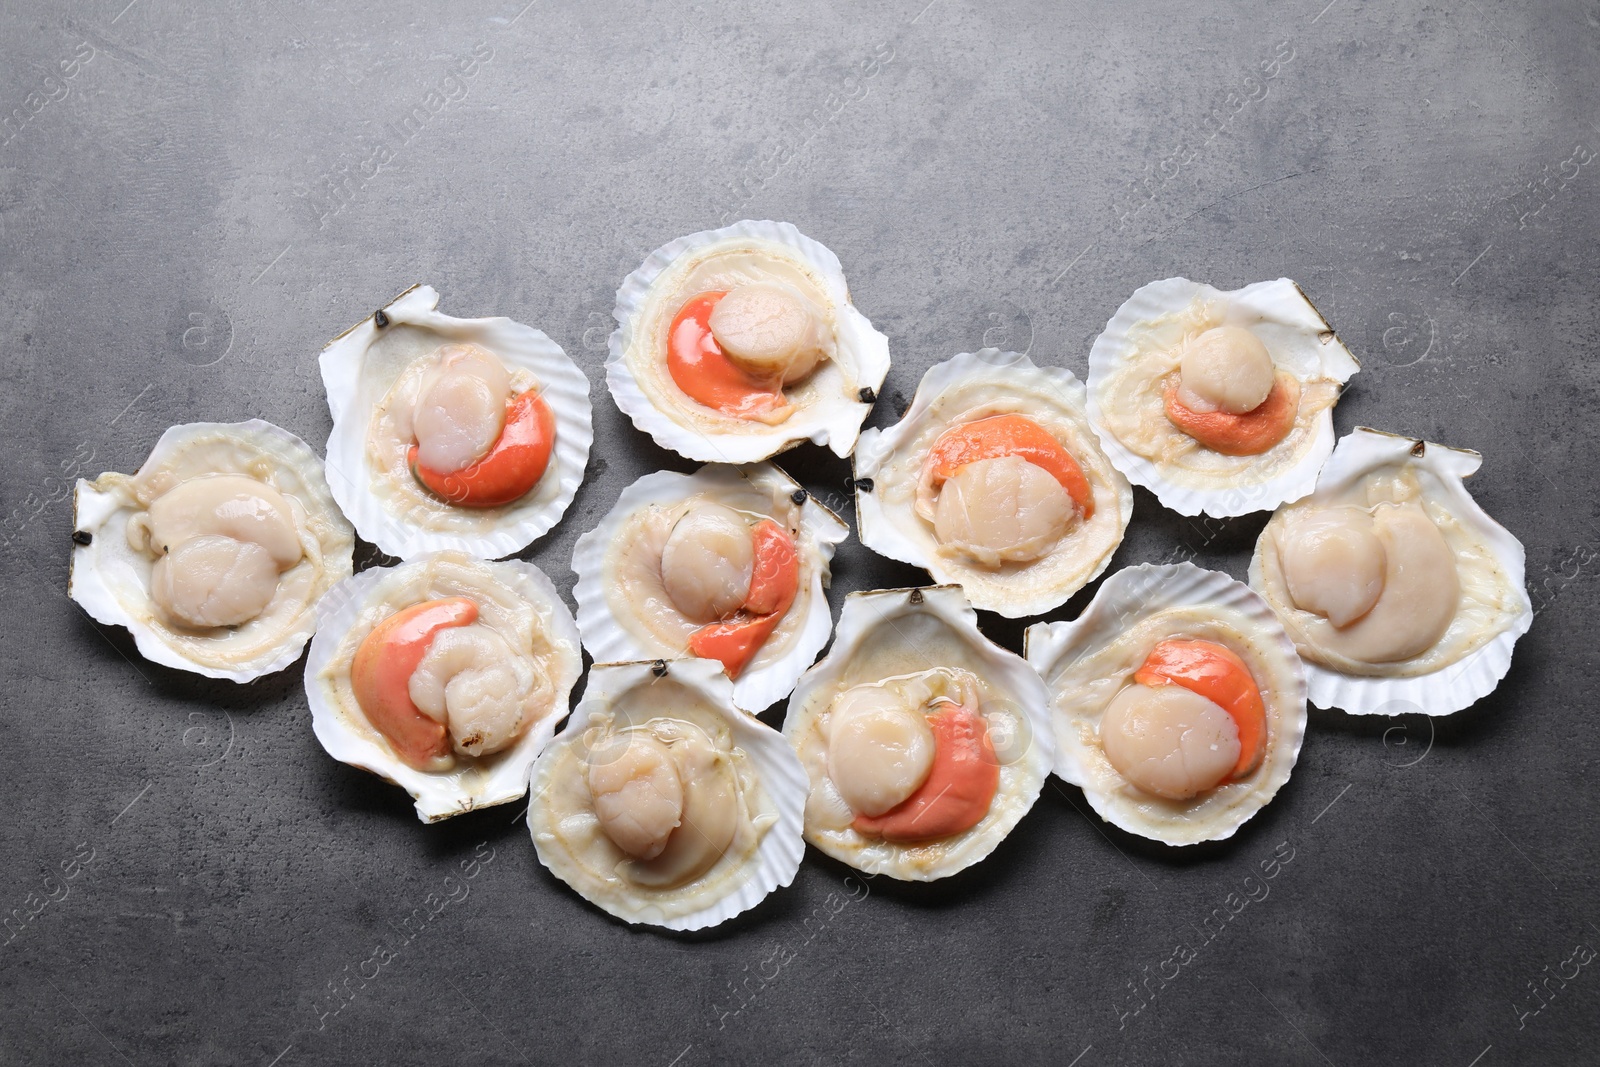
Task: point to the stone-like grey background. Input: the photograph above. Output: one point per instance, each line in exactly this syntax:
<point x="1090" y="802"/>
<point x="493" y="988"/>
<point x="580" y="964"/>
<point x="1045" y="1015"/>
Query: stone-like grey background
<point x="194" y="198"/>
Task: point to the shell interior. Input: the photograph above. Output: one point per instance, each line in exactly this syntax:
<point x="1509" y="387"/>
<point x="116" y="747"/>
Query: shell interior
<point x="1499" y="609"/>
<point x="561" y="818"/>
<point x="978" y="385"/>
<point x="1087" y="661"/>
<point x="1139" y="341"/>
<point x="894" y="632"/>
<point x="829" y="404"/>
<point x="613" y="633"/>
<point x="112" y="581"/>
<point x="361" y="366"/>
<point x="350" y="611"/>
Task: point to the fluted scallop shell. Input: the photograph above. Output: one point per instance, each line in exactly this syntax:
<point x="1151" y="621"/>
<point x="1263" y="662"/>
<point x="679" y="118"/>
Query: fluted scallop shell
<point x="112" y="583"/>
<point x="997" y="382"/>
<point x="728" y="888"/>
<point x="375" y="594"/>
<point x="404" y="520"/>
<point x="830" y="402"/>
<point x="889" y="632"/>
<point x="771" y="675"/>
<point x="1204" y="604"/>
<point x="1299" y="340"/>
<point x="1443" y="471"/>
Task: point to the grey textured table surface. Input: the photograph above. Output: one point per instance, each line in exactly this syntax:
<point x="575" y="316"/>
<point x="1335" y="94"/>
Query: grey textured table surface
<point x="194" y="198"/>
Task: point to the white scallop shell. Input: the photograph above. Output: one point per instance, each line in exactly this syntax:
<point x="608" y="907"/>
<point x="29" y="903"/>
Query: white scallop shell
<point x="833" y="421"/>
<point x="1124" y="599"/>
<point x="907" y="539"/>
<point x="497" y="779"/>
<point x="767" y="679"/>
<point x="355" y="385"/>
<point x="1468" y="680"/>
<point x="1299" y="340"/>
<point x="778" y="854"/>
<point x="898" y="631"/>
<point x="112" y="583"/>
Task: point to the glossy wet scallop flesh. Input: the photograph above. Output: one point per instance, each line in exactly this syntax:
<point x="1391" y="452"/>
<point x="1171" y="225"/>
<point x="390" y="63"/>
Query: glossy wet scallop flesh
<point x="218" y="544"/>
<point x="437" y="684"/>
<point x="1169" y="741"/>
<point x="665" y="795"/>
<point x="1227" y="369"/>
<point x="460" y="409"/>
<point x="1003" y="510"/>
<point x="770" y="330"/>
<point x="707" y="563"/>
<point x="1393" y="562"/>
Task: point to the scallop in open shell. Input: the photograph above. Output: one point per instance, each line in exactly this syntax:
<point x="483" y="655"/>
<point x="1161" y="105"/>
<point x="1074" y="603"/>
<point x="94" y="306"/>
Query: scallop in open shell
<point x="994" y="481"/>
<point x="445" y="675"/>
<point x="468" y="435"/>
<point x="1220" y="403"/>
<point x="1179" y="702"/>
<point x="734" y="344"/>
<point x="1400" y="592"/>
<point x="924" y="742"/>
<point x="215" y="554"/>
<point x="662" y="803"/>
<point x="727" y="563"/>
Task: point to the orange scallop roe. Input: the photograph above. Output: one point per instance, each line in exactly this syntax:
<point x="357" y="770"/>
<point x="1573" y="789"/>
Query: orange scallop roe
<point x="701" y="369"/>
<point x="959" y="789"/>
<point x="774" y="583"/>
<point x="1218" y="674"/>
<point x="1249" y="434"/>
<point x="511" y="467"/>
<point x="380" y="676"/>
<point x="1009" y="435"/>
